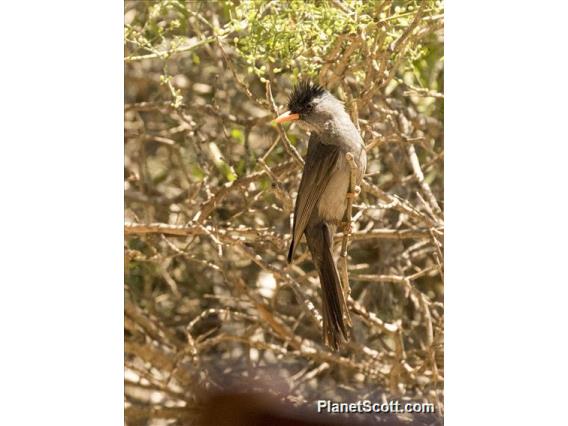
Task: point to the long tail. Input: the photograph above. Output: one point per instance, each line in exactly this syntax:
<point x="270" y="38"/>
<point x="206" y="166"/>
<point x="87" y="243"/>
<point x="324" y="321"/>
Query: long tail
<point x="334" y="307"/>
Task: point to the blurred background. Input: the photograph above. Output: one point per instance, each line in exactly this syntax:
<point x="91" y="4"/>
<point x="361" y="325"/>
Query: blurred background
<point x="210" y="182"/>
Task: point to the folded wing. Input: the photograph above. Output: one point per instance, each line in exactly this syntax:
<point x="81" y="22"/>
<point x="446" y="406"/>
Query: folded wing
<point x="321" y="161"/>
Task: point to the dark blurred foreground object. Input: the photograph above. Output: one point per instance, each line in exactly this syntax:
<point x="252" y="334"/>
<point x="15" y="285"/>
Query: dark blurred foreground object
<point x="253" y="409"/>
<point x="322" y="197"/>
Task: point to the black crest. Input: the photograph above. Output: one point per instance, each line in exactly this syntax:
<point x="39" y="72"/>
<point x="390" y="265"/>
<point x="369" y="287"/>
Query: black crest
<point x="302" y="95"/>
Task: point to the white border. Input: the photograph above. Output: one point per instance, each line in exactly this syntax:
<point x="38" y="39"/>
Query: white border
<point x="61" y="241"/>
<point x="61" y="303"/>
<point x="506" y="188"/>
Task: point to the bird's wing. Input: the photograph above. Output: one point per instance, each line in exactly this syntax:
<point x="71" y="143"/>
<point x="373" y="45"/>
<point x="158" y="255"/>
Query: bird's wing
<point x="320" y="162"/>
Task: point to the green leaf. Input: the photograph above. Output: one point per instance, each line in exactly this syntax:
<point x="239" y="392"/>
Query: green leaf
<point x="238" y="135"/>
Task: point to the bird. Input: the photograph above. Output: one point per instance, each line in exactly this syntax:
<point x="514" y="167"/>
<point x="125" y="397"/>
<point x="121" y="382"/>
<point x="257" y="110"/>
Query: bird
<point x="322" y="196"/>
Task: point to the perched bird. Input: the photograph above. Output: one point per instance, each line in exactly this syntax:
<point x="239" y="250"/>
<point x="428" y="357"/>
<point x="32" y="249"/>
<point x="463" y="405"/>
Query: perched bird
<point x="322" y="196"/>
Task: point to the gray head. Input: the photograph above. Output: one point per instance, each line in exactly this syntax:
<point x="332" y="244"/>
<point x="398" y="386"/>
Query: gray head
<point x="314" y="108"/>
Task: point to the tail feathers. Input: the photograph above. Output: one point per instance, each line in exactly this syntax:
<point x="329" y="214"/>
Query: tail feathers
<point x="291" y="252"/>
<point x="335" y="330"/>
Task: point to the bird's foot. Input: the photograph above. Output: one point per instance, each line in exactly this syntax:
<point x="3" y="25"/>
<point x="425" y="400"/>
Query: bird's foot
<point x="355" y="193"/>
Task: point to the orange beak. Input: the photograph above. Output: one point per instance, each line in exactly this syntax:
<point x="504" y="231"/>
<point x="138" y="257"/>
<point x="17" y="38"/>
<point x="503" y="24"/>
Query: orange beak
<point x="287" y="116"/>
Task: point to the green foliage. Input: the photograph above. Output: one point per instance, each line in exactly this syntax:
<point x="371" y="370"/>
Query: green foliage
<point x="298" y="35"/>
<point x="238" y="135"/>
<point x="283" y="33"/>
<point x="162" y="21"/>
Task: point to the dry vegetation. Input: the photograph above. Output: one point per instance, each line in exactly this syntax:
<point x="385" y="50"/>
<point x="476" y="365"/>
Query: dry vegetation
<point x="210" y="182"/>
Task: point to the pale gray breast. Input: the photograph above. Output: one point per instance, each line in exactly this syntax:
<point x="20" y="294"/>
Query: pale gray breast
<point x="333" y="201"/>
